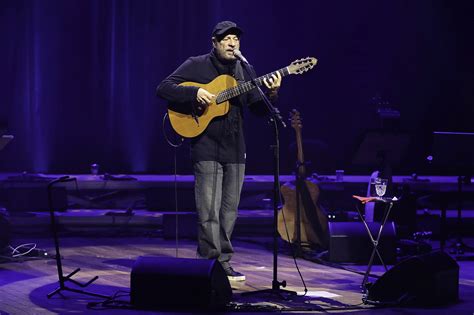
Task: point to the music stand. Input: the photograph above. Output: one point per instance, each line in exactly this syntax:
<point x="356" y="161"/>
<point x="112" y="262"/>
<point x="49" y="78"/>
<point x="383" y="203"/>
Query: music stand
<point x="453" y="153"/>
<point x="381" y="148"/>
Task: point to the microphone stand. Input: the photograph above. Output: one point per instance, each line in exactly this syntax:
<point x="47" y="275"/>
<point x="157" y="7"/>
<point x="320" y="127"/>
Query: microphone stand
<point x="54" y="230"/>
<point x="275" y="118"/>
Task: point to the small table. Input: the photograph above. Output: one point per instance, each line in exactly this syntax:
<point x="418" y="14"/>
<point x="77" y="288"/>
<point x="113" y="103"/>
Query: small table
<point x="375" y="241"/>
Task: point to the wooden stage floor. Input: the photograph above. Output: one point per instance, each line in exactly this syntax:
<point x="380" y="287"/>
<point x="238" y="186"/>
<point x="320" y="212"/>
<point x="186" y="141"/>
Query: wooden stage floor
<point x="24" y="284"/>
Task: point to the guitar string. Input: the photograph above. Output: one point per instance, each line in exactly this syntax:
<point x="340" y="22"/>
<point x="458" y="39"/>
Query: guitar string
<point x="247" y="86"/>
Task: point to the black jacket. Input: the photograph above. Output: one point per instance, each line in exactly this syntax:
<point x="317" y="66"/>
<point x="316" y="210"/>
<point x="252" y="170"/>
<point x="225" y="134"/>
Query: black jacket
<point x="223" y="140"/>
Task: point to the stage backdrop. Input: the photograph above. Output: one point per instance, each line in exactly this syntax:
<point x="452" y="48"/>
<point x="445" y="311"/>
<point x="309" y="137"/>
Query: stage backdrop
<point x="78" y="78"/>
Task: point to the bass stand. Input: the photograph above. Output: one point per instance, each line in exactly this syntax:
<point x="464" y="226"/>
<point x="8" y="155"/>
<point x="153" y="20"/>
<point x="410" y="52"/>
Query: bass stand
<point x="460" y="246"/>
<point x="275" y="118"/>
<point x="300" y="178"/>
<point x="298" y="187"/>
<point x="54" y="230"/>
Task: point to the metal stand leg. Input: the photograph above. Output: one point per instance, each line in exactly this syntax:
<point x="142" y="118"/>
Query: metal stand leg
<point x="54" y="230"/>
<point x="375" y="243"/>
<point x="276" y="289"/>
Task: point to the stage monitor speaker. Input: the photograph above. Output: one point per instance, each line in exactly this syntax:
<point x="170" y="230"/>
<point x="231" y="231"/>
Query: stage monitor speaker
<point x="179" y="283"/>
<point x="349" y="242"/>
<point x="424" y="280"/>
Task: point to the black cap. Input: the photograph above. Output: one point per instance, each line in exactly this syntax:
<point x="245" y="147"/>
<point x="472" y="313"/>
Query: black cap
<point x="225" y="28"/>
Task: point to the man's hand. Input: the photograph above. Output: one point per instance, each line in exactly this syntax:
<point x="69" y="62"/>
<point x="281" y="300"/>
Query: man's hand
<point x="273" y="83"/>
<point x="204" y="98"/>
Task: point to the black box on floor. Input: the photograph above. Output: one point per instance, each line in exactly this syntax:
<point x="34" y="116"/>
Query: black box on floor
<point x="187" y="225"/>
<point x="28" y="199"/>
<point x="350" y="242"/>
<point x="163" y="199"/>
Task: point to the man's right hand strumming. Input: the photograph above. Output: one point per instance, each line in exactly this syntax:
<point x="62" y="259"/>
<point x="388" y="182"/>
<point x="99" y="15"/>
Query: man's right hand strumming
<point x="204" y="98"/>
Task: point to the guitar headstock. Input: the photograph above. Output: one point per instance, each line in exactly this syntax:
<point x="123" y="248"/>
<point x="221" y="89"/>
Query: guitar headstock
<point x="295" y="118"/>
<point x="300" y="66"/>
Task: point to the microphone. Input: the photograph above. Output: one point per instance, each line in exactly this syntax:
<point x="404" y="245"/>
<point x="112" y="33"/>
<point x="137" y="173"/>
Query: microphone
<point x="239" y="56"/>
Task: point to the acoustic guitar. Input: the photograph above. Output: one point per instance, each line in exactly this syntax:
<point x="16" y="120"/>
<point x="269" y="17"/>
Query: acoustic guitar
<point x="313" y="227"/>
<point x="225" y="87"/>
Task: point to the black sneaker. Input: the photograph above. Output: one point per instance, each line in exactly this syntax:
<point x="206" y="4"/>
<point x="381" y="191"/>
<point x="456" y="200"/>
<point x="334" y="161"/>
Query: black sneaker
<point x="233" y="275"/>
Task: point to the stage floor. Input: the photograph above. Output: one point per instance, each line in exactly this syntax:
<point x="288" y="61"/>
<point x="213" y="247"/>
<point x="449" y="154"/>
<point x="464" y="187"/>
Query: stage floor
<point x="105" y="242"/>
<point x="25" y="284"/>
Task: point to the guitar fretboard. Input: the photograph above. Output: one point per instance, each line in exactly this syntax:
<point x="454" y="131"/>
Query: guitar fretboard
<point x="235" y="91"/>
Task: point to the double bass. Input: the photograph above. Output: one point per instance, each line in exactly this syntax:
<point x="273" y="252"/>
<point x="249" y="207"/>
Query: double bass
<point x="313" y="228"/>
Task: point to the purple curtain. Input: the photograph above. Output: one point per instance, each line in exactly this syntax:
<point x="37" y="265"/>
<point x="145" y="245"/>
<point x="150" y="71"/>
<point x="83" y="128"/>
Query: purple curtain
<point x="78" y="77"/>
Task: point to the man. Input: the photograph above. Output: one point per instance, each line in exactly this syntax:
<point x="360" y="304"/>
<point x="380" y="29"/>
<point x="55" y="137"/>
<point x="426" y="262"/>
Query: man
<point x="218" y="154"/>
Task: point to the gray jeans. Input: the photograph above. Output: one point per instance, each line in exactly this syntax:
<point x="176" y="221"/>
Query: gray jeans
<point x="217" y="191"/>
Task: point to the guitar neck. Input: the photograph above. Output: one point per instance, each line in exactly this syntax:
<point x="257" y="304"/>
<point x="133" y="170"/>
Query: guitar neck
<point x="300" y="156"/>
<point x="235" y="91"/>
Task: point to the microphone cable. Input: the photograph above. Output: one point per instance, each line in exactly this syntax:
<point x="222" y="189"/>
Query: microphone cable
<point x="175" y="146"/>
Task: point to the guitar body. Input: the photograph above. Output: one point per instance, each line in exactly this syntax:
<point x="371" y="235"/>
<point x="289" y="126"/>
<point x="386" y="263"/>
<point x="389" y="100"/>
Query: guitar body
<point x="313" y="221"/>
<point x="186" y="125"/>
